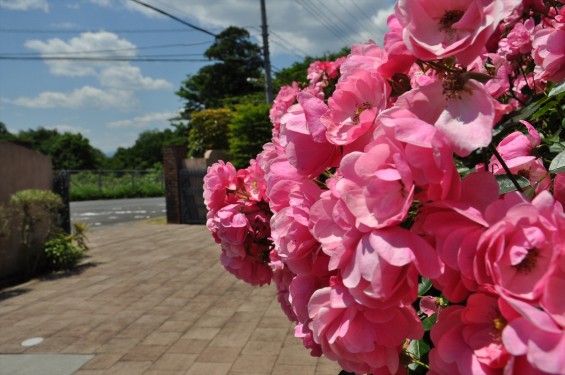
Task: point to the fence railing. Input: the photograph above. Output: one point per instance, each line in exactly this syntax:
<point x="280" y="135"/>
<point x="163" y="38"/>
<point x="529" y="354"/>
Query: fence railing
<point x="108" y="184"/>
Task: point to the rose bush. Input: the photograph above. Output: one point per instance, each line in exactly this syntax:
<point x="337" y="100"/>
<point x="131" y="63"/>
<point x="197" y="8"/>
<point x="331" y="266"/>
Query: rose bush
<point x="412" y="221"/>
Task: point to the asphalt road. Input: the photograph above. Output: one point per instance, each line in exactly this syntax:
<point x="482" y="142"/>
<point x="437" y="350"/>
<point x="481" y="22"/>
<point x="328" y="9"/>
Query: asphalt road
<point x="109" y="212"/>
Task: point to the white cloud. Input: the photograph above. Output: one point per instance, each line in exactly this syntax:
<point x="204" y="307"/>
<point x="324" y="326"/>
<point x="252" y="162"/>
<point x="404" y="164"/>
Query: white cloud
<point x="127" y="77"/>
<point x="25" y="4"/>
<point x="150" y="120"/>
<point x="309" y="26"/>
<point x="298" y="26"/>
<point x="85" y="97"/>
<point x="119" y="80"/>
<point x="64" y="128"/>
<point x="85" y="45"/>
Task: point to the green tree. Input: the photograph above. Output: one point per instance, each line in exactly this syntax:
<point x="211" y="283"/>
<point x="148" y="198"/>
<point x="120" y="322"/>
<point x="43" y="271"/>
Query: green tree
<point x="39" y="139"/>
<point x="5" y="134"/>
<point x="73" y="151"/>
<point x="209" y="131"/>
<point x="146" y="152"/>
<point x="250" y="129"/>
<point x="238" y="60"/>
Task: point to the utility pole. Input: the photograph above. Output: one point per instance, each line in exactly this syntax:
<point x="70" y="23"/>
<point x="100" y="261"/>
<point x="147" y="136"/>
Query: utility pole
<point x="266" y="60"/>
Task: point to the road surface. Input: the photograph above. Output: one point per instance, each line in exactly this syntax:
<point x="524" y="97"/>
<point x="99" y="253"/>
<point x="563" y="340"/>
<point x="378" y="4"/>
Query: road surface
<point x="109" y="212"/>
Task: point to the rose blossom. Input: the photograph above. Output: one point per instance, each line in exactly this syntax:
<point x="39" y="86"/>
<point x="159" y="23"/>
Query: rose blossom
<point x="549" y="51"/>
<point x="444" y="28"/>
<point x="220" y="179"/>
<point x="359" y="338"/>
<point x="468" y="340"/>
<point x="454" y="227"/>
<point x="377" y="186"/>
<point x="354" y="105"/>
<point x="516" y="150"/>
<point x="536" y="336"/>
<point x="518" y="252"/>
<point x="519" y="39"/>
<point x="290" y="234"/>
<point x="461" y="108"/>
<point x="383" y="269"/>
<point x="285" y="98"/>
<point x="301" y="129"/>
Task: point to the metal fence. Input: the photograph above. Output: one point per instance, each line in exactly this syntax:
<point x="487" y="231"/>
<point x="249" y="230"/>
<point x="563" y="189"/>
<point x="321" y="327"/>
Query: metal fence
<point x="193" y="210"/>
<point x="96" y="184"/>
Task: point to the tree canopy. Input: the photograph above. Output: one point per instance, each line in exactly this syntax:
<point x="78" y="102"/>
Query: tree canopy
<point x="238" y="64"/>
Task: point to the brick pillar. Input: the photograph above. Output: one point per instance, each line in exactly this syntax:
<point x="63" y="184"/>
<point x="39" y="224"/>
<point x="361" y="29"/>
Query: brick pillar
<point x="172" y="163"/>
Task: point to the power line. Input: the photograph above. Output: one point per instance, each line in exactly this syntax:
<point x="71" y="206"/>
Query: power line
<point x="304" y="54"/>
<point x="75" y="31"/>
<point x="337" y="33"/>
<point x="111" y="50"/>
<point x="174" y="17"/>
<point x="157" y="58"/>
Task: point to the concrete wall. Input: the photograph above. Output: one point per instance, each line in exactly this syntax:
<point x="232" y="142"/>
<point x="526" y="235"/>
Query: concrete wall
<point x="20" y="169"/>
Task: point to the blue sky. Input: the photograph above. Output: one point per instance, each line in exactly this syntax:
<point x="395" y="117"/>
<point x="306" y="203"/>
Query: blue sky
<point x="110" y="103"/>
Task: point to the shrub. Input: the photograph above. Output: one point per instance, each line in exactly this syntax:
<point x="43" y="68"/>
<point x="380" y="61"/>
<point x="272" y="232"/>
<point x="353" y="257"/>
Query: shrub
<point x="250" y="129"/>
<point x="36" y="215"/>
<point x="208" y="131"/>
<point x="62" y="254"/>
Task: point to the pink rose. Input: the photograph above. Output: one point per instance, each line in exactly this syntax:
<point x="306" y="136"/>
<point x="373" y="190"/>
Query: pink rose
<point x="285" y="98"/>
<point x="518" y="41"/>
<point x="518" y="252"/>
<point x="220" y="180"/>
<point x="427" y="151"/>
<point x="559" y="188"/>
<point x="294" y="243"/>
<point x="549" y="51"/>
<point x="360" y="339"/>
<point x="454" y="227"/>
<point x="354" y="105"/>
<point x="300" y="130"/>
<point x="536" y="336"/>
<point x="247" y="269"/>
<point x="377" y="186"/>
<point x="333" y="225"/>
<point x="444" y="28"/>
<point x="464" y="112"/>
<point x="467" y="340"/>
<point x="384" y="267"/>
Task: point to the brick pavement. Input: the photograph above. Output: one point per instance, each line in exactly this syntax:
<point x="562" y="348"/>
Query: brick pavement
<point x="155" y="300"/>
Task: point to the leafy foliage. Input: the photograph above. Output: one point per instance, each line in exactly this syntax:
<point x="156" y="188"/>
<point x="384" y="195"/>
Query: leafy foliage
<point x="146" y="152"/>
<point x="209" y="131"/>
<point x="63" y="252"/>
<point x="238" y="59"/>
<point x="250" y="129"/>
<point x="36" y="216"/>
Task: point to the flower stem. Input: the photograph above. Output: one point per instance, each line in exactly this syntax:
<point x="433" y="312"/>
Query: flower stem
<point x="506" y="169"/>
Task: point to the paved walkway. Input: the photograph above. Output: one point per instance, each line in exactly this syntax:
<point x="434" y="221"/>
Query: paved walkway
<point x="155" y="300"/>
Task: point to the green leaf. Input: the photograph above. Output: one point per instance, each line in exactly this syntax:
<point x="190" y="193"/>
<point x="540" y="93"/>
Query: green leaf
<point x="429" y="322"/>
<point x="543" y="110"/>
<point x="558" y="163"/>
<point x="424" y="286"/>
<point x="418" y="348"/>
<point x="506" y="185"/>
<point x="557" y="89"/>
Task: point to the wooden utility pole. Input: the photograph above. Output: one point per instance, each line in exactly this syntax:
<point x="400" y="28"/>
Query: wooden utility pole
<point x="266" y="59"/>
